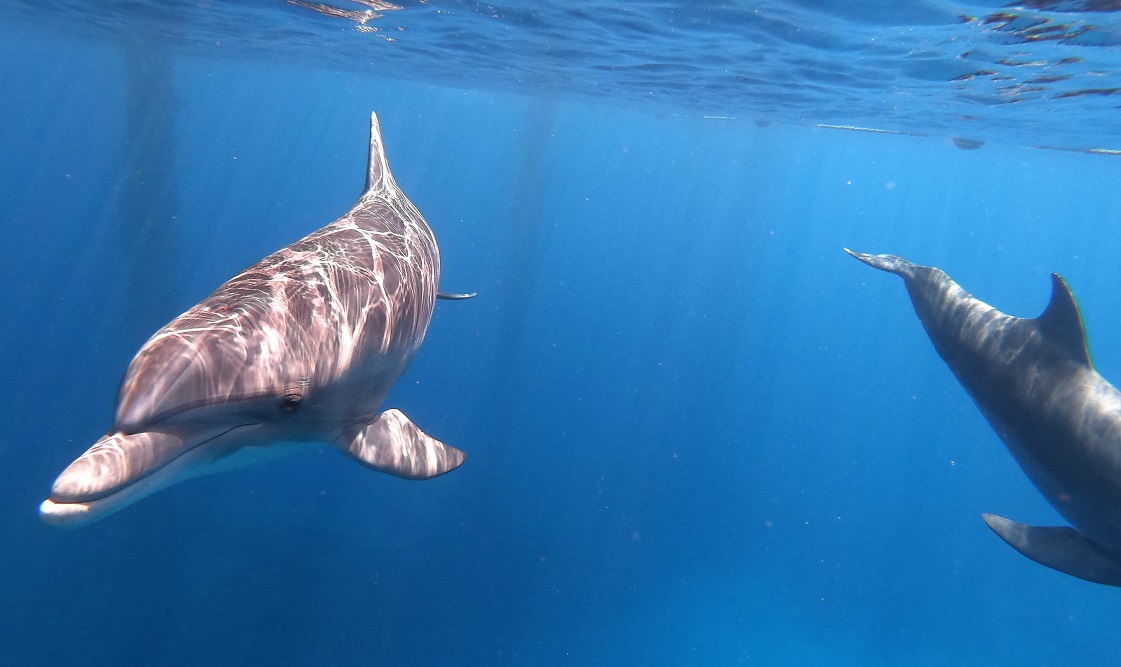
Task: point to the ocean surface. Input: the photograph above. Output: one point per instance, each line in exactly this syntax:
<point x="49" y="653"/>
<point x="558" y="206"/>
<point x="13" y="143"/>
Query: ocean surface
<point x="697" y="432"/>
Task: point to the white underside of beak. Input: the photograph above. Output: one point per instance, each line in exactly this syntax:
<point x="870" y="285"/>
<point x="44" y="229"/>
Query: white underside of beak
<point x="64" y="515"/>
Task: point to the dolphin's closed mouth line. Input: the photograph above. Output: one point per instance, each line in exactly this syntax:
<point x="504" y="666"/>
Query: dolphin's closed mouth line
<point x="211" y="439"/>
<point x="195" y="446"/>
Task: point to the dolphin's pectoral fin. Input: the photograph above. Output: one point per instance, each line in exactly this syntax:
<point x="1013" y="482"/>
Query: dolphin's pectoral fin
<point x="1060" y="548"/>
<point x="452" y="296"/>
<point x="393" y="444"/>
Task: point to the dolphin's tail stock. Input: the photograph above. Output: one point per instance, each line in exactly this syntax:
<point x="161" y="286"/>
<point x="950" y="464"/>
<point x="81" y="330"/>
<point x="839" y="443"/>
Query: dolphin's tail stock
<point x="890" y="263"/>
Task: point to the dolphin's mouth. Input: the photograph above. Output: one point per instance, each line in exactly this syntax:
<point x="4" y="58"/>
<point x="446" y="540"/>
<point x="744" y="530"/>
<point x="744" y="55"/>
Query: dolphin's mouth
<point x="120" y="460"/>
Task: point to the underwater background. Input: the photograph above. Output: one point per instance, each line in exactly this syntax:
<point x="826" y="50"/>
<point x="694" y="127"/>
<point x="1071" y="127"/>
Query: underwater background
<point x="697" y="432"/>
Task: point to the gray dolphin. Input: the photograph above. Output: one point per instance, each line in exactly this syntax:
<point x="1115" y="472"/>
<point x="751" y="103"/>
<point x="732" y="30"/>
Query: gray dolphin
<point x="1034" y="383"/>
<point x="301" y="347"/>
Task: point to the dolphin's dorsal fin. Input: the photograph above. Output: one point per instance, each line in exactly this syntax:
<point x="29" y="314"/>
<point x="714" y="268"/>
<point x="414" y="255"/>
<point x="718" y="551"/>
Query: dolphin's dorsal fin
<point x="377" y="170"/>
<point x="1061" y="322"/>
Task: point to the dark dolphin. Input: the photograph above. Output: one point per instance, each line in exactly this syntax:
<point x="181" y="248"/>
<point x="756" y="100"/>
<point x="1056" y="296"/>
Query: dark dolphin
<point x="301" y="347"/>
<point x="1034" y="383"/>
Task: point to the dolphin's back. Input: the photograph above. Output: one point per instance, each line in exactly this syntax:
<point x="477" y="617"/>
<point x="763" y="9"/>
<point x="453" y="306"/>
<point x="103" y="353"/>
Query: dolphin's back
<point x="354" y="297"/>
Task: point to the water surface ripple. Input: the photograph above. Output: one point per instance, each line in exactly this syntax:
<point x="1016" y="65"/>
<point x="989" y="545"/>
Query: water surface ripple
<point x="1036" y="72"/>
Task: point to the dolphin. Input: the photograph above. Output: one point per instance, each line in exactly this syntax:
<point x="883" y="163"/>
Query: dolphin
<point x="301" y="347"/>
<point x="1033" y="381"/>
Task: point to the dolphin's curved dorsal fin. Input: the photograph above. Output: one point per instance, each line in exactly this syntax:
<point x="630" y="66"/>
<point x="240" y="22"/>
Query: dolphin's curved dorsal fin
<point x="453" y="296"/>
<point x="1061" y="322"/>
<point x="377" y="169"/>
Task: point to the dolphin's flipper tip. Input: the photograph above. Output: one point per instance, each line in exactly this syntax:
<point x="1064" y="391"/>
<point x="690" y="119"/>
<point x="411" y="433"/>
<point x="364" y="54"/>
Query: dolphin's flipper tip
<point x="453" y="296"/>
<point x="890" y="263"/>
<point x="1060" y="548"/>
<point x="392" y="444"/>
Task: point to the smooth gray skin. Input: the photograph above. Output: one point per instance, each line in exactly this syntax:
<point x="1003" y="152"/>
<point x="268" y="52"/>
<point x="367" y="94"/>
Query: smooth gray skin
<point x="1034" y="383"/>
<point x="301" y="347"/>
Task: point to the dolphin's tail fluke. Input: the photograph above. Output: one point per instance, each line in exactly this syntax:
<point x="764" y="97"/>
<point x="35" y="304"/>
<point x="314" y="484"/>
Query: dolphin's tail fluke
<point x="392" y="444"/>
<point x="890" y="263"/>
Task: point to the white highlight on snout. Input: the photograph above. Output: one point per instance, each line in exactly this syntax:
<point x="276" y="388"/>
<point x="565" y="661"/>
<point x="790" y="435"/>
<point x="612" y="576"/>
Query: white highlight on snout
<point x="64" y="515"/>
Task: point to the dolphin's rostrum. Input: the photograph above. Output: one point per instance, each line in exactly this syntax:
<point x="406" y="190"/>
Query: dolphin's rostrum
<point x="1034" y="383"/>
<point x="301" y="347"/>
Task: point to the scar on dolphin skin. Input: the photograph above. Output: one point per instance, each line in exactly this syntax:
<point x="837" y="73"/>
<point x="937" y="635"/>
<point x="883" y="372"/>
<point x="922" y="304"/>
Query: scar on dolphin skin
<point x="1033" y="381"/>
<point x="301" y="347"/>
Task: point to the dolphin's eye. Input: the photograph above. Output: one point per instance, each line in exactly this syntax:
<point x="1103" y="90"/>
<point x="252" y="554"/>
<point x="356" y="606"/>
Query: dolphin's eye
<point x="291" y="400"/>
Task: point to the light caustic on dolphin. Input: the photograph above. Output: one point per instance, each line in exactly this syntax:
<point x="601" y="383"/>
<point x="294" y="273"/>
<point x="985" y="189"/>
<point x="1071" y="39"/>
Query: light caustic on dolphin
<point x="301" y="347"/>
<point x="1034" y="383"/>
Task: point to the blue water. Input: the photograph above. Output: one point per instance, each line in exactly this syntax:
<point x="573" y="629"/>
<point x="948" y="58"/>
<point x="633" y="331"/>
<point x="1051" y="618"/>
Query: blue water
<point x="697" y="432"/>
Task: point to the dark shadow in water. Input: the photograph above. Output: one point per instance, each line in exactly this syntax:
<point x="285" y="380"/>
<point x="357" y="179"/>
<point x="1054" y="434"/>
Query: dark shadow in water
<point x="146" y="202"/>
<point x="967" y="144"/>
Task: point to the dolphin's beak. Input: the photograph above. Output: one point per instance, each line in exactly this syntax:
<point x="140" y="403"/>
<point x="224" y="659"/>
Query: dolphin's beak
<point x="123" y="468"/>
<point x="115" y="461"/>
<point x="85" y="489"/>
